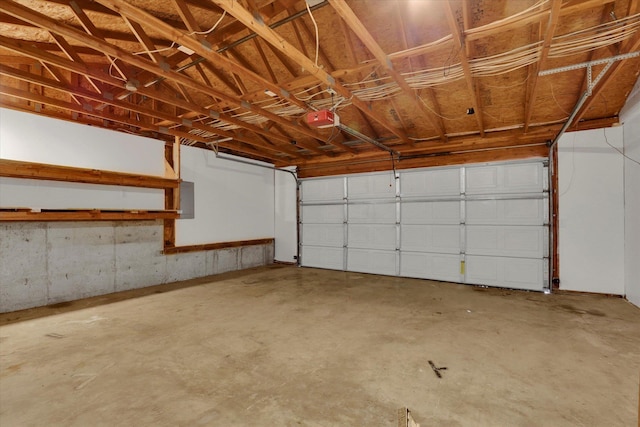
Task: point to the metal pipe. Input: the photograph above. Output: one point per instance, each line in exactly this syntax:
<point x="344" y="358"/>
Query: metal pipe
<point x="233" y="159"/>
<point x="552" y="242"/>
<point x="273" y="26"/>
<point x="573" y="115"/>
<point x="365" y="138"/>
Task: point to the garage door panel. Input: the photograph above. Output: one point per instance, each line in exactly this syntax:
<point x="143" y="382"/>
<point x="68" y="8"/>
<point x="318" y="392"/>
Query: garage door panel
<point x="323" y="189"/>
<point x="506" y="212"/>
<point x="323" y="235"/>
<point x="509" y="241"/>
<point x="382" y="213"/>
<point x="430" y="212"/>
<point x="372" y="261"/>
<point x="430" y="266"/>
<point x="322" y="257"/>
<point x="439" y="182"/>
<point x="430" y="238"/>
<point x="322" y="214"/>
<point x="501" y="179"/>
<point x="371" y="186"/>
<point x="372" y="236"/>
<point x="518" y="273"/>
<point x="491" y="229"/>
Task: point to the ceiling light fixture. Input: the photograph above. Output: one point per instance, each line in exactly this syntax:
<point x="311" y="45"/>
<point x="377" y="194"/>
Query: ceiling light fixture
<point x="131" y="85"/>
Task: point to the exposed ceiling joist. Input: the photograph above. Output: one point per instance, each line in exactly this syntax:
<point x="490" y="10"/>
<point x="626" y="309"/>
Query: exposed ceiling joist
<point x="460" y="42"/>
<point x="258" y="26"/>
<point x="345" y="12"/>
<point x="241" y="76"/>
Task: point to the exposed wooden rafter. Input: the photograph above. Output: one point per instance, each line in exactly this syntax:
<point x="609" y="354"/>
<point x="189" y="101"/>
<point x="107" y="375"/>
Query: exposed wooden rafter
<point x="531" y="91"/>
<point x="122" y="65"/>
<point x="92" y="41"/>
<point x="257" y="25"/>
<point x="460" y="42"/>
<point x="345" y="12"/>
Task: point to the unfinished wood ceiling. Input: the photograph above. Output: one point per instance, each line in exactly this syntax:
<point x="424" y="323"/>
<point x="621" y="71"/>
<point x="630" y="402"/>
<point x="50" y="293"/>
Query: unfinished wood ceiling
<point x="240" y="76"/>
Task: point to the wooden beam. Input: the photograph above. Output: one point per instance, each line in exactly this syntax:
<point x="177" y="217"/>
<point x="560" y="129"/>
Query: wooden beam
<point x="126" y="9"/>
<point x="258" y="26"/>
<point x="90" y="28"/>
<point x="384" y="163"/>
<point x="345" y="12"/>
<point x="187" y="16"/>
<point x="145" y="41"/>
<point x="118" y="36"/>
<point x="460" y="41"/>
<point x="233" y="145"/>
<point x="171" y="195"/>
<point x="153" y="94"/>
<point x="265" y="61"/>
<point x="429" y="91"/>
<point x="30" y="170"/>
<point x="154" y="113"/>
<point x="72" y="55"/>
<point x="87" y="215"/>
<point x="43" y="21"/>
<point x="214" y="246"/>
<point x="492" y="140"/>
<point x="532" y="87"/>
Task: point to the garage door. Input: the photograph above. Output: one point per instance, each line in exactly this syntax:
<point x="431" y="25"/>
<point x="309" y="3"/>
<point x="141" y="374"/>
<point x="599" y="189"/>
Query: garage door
<point x="482" y="224"/>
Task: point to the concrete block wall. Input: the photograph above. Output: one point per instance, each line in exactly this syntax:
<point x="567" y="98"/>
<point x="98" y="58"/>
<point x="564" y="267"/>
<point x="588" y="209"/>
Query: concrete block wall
<point x="45" y="263"/>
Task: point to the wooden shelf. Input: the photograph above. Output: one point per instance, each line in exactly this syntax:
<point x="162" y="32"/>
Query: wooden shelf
<point x="29" y="170"/>
<point x="24" y="214"/>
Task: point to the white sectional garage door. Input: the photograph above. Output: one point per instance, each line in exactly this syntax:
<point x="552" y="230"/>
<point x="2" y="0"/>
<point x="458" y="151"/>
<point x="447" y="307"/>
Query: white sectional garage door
<point x="483" y="224"/>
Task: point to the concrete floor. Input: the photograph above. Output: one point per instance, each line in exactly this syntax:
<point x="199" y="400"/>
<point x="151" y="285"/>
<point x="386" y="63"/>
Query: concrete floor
<point x="286" y="346"/>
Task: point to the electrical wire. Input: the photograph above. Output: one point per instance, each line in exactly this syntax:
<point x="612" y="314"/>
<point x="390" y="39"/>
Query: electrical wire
<point x="604" y="130"/>
<point x="553" y="95"/>
<point x="113" y="63"/>
<point x="173" y="43"/>
<point x="439" y="115"/>
<point x="373" y="88"/>
<point x="508" y="86"/>
<point x="210" y="30"/>
<point x="315" y="25"/>
<point x="156" y="50"/>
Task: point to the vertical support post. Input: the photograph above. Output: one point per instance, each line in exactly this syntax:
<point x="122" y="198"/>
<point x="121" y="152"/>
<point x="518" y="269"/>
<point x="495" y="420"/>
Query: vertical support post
<point x="553" y="197"/>
<point x="171" y="195"/>
<point x="345" y="222"/>
<point x="398" y="195"/>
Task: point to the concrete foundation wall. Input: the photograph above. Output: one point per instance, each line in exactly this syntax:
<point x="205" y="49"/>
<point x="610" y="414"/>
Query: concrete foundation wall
<point x="46" y="263"/>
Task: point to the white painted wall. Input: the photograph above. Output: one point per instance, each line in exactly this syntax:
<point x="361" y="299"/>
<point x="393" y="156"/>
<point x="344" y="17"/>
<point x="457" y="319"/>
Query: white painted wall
<point x="286" y="221"/>
<point x="39" y="194"/>
<point x="630" y="117"/>
<point x="32" y="138"/>
<point x="39" y="139"/>
<point x="591" y="211"/>
<point x="233" y="201"/>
